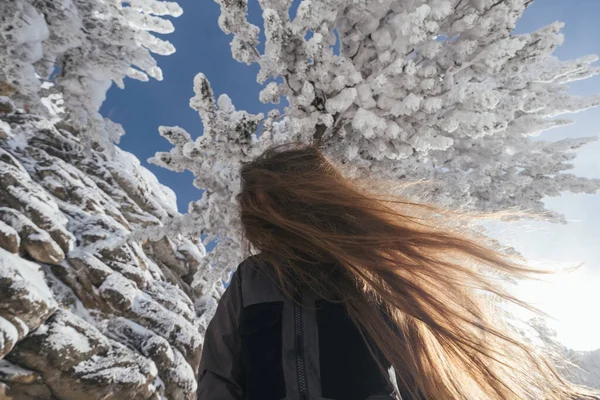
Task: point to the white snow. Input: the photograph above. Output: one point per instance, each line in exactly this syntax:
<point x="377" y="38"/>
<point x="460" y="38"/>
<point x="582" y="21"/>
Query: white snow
<point x="7" y="230"/>
<point x="196" y="251"/>
<point x="166" y="323"/>
<point x="21" y="326"/>
<point x="8" y="333"/>
<point x="183" y="374"/>
<point x="270" y="94"/>
<point x="158" y="340"/>
<point x="62" y="337"/>
<point x="118" y="283"/>
<point x="5" y="127"/>
<point x="342" y="101"/>
<point x="368" y="123"/>
<point x="131" y="168"/>
<point x="54" y="104"/>
<point x="26" y="278"/>
<point x="111" y="374"/>
<point x="12" y="370"/>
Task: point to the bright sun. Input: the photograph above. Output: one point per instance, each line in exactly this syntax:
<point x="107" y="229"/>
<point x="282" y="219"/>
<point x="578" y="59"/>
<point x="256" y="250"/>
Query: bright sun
<point x="573" y="300"/>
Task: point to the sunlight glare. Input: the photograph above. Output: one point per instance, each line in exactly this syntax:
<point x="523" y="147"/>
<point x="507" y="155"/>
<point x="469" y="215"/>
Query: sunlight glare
<point x="572" y="299"/>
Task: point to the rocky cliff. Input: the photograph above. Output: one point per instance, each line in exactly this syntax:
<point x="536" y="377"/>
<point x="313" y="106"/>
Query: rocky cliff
<point x="86" y="312"/>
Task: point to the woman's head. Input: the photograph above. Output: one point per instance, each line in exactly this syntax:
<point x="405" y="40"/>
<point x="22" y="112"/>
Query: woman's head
<point x="398" y="266"/>
<point x="292" y="195"/>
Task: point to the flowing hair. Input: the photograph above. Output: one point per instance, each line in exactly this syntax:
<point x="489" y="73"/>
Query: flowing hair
<point x="423" y="288"/>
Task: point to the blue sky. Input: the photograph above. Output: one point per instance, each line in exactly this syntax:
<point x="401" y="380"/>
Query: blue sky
<point x="202" y="47"/>
<point x="143" y="106"/>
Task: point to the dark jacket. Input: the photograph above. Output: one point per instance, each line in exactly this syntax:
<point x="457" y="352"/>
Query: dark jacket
<point x="262" y="346"/>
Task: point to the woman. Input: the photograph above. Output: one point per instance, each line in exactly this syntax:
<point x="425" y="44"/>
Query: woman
<point x="347" y="284"/>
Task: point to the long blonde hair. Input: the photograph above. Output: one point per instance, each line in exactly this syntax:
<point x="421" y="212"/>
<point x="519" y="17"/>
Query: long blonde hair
<point x="425" y="294"/>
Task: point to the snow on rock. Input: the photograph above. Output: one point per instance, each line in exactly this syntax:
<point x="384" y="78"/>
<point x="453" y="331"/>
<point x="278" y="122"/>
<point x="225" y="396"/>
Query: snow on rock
<point x="26" y="299"/>
<point x="17" y="376"/>
<point x="5" y="131"/>
<point x="6" y="105"/>
<point x="142" y="186"/>
<point x="73" y="357"/>
<point x="9" y="238"/>
<point x="176" y="373"/>
<point x="36" y="242"/>
<point x="7" y="369"/>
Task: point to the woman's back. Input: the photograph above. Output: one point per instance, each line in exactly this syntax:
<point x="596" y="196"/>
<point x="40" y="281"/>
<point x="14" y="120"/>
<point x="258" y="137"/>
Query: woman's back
<point x="305" y="350"/>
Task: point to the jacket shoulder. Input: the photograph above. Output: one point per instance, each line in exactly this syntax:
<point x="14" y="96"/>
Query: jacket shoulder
<point x="257" y="284"/>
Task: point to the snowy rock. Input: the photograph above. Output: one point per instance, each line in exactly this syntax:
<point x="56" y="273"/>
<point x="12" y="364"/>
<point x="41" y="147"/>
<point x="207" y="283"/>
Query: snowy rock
<point x="79" y="281"/>
<point x="7" y="89"/>
<point x="9" y="238"/>
<point x="36" y="242"/>
<point x="74" y="358"/>
<point x="21" y="383"/>
<point x="4" y="130"/>
<point x="7" y="106"/>
<point x="166" y="253"/>
<point x="26" y="300"/>
<point x="131" y="185"/>
<point x="71" y="201"/>
<point x="177" y="374"/>
<point x="73" y="210"/>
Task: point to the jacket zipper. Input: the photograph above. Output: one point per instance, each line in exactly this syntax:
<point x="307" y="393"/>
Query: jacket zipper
<point x="300" y="366"/>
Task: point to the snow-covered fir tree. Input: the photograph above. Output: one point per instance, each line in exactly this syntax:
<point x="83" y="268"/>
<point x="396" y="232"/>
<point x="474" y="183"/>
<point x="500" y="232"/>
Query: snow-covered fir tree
<point x="440" y="90"/>
<point x="105" y="289"/>
<point x="84" y="45"/>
